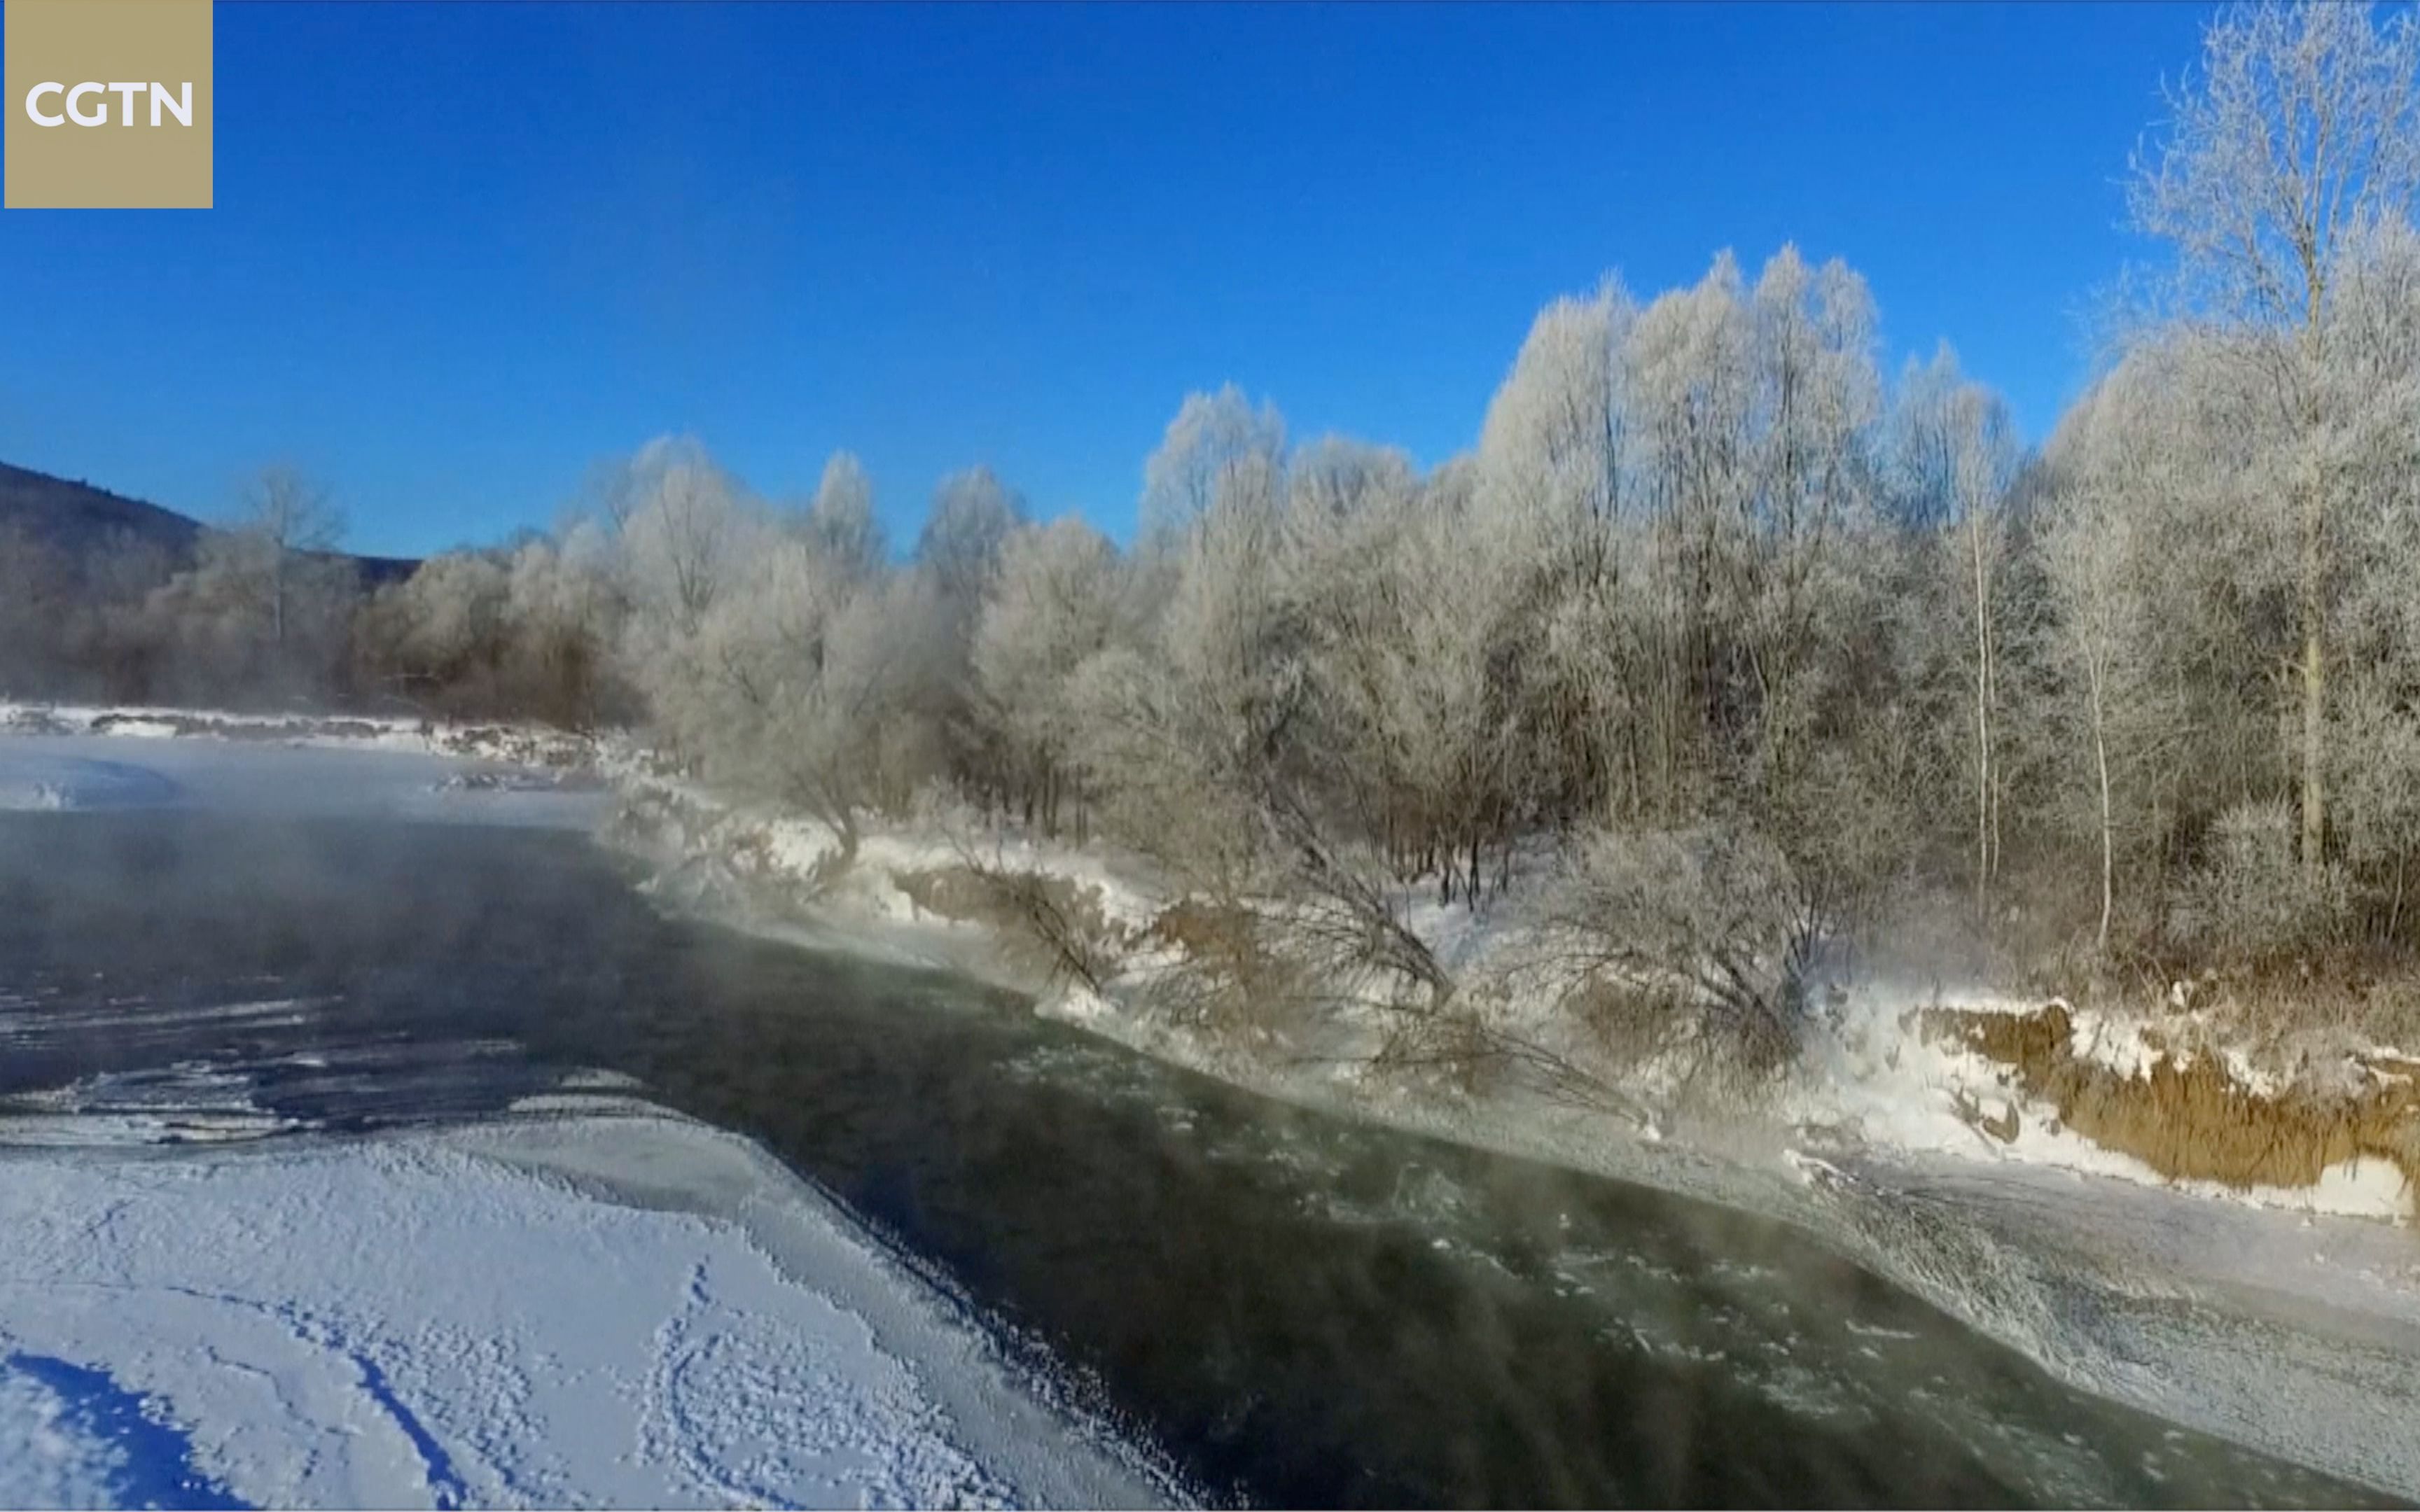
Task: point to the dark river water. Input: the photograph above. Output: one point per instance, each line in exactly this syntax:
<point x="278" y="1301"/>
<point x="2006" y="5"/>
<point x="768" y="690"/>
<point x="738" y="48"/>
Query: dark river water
<point x="1292" y="1308"/>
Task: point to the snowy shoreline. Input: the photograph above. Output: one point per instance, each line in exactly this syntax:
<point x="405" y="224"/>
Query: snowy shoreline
<point x="63" y="758"/>
<point x="516" y="744"/>
<point x="1871" y="1080"/>
<point x="661" y="1315"/>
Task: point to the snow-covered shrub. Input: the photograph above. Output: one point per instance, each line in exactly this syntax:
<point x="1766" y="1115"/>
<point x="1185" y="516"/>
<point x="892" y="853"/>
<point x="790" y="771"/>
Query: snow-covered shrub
<point x="2249" y="899"/>
<point x="1701" y="941"/>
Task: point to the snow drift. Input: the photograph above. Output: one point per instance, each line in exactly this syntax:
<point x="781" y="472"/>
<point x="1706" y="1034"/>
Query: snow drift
<point x="625" y="1310"/>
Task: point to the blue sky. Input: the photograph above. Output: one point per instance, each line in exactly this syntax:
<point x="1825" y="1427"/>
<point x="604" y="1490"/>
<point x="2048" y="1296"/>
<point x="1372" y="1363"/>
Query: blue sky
<point x="460" y="252"/>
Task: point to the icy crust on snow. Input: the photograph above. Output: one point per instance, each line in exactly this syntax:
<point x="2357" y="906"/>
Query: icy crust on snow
<point x="571" y="1311"/>
<point x="185" y="1103"/>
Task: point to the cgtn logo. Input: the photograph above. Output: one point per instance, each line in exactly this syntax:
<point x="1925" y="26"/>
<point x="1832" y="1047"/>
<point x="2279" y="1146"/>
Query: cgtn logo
<point x="106" y="104"/>
<point x="68" y="103"/>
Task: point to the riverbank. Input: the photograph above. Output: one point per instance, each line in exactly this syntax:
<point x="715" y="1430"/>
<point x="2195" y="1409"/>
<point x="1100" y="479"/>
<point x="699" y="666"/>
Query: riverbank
<point x="66" y="759"/>
<point x="2283" y="1317"/>
<point x="2328" y="1123"/>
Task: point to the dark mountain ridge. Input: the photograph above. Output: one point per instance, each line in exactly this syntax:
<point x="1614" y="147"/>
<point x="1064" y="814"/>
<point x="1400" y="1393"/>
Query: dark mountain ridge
<point x="79" y="521"/>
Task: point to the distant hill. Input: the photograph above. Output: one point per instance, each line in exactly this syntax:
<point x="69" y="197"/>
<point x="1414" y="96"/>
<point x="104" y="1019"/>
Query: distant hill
<point x="77" y="520"/>
<point x="77" y="517"/>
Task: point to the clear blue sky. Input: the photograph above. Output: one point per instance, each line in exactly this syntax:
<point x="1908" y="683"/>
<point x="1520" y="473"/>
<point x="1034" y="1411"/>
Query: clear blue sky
<point x="462" y="251"/>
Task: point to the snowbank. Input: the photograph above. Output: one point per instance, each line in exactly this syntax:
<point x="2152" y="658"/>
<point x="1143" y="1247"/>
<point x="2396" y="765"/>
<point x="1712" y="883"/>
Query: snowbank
<point x="1871" y="1080"/>
<point x="789" y="875"/>
<point x="79" y="757"/>
<point x="44" y="781"/>
<point x="1883" y="1084"/>
<point x="574" y="1311"/>
<point x="517" y="744"/>
<point x="83" y="772"/>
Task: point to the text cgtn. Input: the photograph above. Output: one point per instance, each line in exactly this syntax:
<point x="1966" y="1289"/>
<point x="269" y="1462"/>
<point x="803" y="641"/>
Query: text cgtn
<point x="71" y="106"/>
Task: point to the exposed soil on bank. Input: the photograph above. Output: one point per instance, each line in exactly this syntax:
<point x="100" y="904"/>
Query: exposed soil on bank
<point x="2186" y="1115"/>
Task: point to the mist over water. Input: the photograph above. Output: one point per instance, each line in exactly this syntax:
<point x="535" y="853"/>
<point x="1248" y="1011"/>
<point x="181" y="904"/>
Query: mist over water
<point x="1296" y="1308"/>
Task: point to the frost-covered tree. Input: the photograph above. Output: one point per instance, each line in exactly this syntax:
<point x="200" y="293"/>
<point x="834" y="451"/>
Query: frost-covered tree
<point x="2371" y="449"/>
<point x="2092" y="555"/>
<point x="687" y="530"/>
<point x="957" y="555"/>
<point x="2140" y="592"/>
<point x="281" y="515"/>
<point x="445" y="630"/>
<point x="1417" y="669"/>
<point x="1954" y="461"/>
<point x="1551" y="445"/>
<point x="840" y="521"/>
<point x="804" y="684"/>
<point x="568" y="614"/>
<point x="972" y="516"/>
<point x="263" y="609"/>
<point x="1213" y="437"/>
<point x="2300" y="133"/>
<point x="37" y="593"/>
<point x="1058" y="600"/>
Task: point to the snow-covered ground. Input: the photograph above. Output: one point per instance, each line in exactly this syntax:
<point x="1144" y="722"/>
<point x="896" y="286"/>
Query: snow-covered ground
<point x="789" y="875"/>
<point x="1879" y="1083"/>
<point x="520" y="745"/>
<point x="577" y="1310"/>
<point x="65" y="771"/>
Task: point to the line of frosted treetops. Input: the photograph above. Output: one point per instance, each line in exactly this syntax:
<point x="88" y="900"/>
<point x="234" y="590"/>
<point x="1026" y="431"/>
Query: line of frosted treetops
<point x="1710" y="571"/>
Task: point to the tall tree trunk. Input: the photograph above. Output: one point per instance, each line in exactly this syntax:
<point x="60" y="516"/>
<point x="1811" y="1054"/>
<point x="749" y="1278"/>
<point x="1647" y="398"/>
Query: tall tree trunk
<point x="2314" y="591"/>
<point x="2315" y="674"/>
<point x="2108" y="844"/>
<point x="1982" y="719"/>
<point x="1997" y="783"/>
